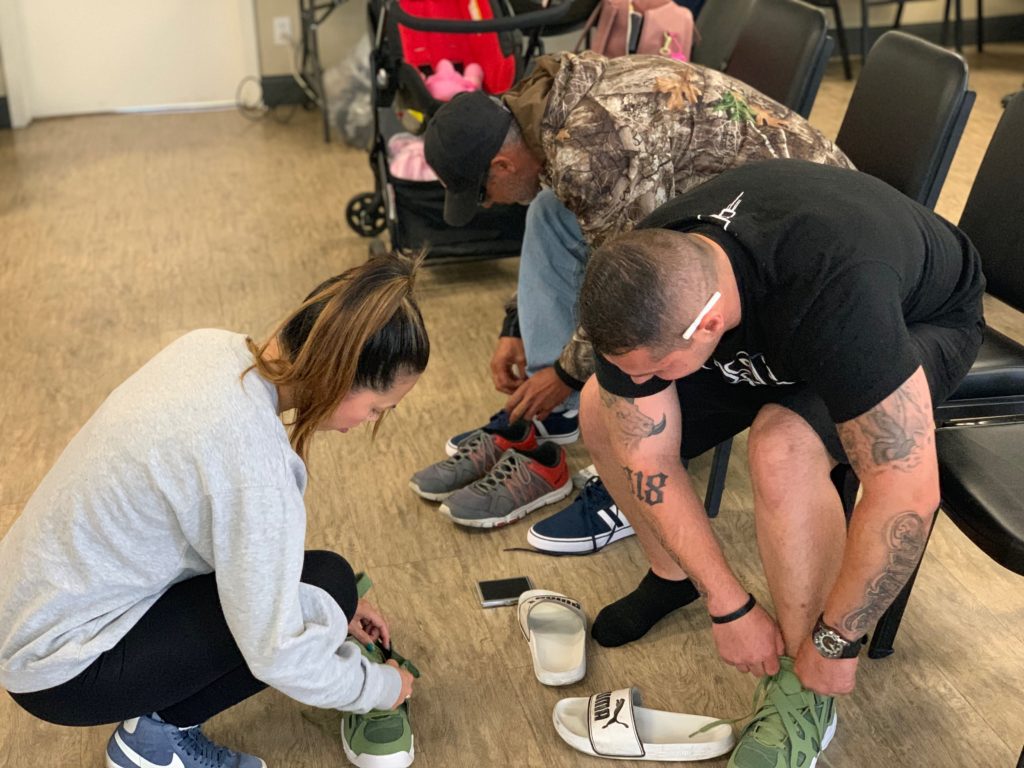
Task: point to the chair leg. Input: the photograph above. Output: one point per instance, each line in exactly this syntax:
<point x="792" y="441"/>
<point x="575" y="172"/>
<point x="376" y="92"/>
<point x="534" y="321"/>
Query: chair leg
<point x="847" y="484"/>
<point x="841" y="34"/>
<point x="716" y="480"/>
<point x="899" y="15"/>
<point x="888" y="625"/>
<point x="945" y="25"/>
<point x="958" y="26"/>
<point x="864" y="22"/>
<point x="981" y="33"/>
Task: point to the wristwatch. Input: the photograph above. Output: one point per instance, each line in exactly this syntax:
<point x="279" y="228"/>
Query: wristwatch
<point x="831" y="644"/>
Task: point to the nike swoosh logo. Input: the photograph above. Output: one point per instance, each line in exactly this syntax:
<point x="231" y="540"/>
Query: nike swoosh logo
<point x="142" y="762"/>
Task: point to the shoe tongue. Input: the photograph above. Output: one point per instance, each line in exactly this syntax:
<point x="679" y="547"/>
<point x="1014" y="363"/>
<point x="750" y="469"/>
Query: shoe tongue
<point x="786" y="679"/>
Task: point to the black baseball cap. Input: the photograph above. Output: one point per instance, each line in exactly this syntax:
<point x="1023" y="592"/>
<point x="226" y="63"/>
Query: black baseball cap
<point x="461" y="139"/>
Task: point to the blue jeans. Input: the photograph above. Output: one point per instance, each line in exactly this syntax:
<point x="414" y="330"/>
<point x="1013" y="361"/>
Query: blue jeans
<point x="554" y="257"/>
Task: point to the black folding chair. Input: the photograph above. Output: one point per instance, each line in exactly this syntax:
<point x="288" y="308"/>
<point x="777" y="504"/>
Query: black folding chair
<point x="718" y="29"/>
<point x="782" y="51"/>
<point x="903" y="125"/>
<point x="980" y="440"/>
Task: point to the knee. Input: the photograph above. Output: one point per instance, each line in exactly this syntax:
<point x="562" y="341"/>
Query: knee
<point x="547" y="221"/>
<point x="780" y="446"/>
<point x="333" y="574"/>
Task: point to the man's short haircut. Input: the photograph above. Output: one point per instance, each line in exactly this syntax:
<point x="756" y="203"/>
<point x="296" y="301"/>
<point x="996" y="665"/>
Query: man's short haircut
<point x="643" y="288"/>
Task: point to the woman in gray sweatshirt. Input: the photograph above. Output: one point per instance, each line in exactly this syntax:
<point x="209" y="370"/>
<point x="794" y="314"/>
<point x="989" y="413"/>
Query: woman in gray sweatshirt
<point x="158" y="574"/>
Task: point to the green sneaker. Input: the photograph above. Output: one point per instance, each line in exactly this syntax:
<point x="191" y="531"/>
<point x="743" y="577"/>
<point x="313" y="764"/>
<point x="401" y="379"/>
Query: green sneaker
<point x="381" y="738"/>
<point x="792" y="727"/>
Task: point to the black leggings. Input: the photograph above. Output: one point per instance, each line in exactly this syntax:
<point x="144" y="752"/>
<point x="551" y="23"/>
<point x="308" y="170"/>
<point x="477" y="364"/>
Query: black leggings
<point x="179" y="660"/>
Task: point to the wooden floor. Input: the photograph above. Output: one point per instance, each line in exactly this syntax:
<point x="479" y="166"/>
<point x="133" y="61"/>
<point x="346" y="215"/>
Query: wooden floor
<point x="117" y="234"/>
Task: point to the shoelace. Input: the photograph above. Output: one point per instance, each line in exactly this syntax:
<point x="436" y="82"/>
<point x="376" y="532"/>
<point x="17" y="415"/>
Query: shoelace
<point x="761" y="710"/>
<point x="466" y="447"/>
<point x="509" y="464"/>
<point x="195" y="744"/>
<point x="594" y="496"/>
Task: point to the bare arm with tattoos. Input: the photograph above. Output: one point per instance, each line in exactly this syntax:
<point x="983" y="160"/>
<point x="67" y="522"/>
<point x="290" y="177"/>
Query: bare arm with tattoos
<point x="638" y="460"/>
<point x="892" y="450"/>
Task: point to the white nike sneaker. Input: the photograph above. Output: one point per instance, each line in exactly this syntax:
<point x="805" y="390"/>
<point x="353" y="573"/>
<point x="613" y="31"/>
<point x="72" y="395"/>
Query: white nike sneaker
<point x="145" y="742"/>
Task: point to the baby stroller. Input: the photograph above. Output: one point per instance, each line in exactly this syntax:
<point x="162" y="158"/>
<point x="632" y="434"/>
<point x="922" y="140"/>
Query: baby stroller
<point x="410" y="38"/>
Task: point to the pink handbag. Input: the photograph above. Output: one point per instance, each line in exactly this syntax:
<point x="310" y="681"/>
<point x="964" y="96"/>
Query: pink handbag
<point x="640" y="26"/>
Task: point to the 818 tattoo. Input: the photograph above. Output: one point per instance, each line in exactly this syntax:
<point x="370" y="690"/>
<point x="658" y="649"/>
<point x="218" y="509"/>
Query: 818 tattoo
<point x="647" y="488"/>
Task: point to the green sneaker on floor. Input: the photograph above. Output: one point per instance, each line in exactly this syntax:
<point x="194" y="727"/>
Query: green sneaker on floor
<point x="792" y="727"/>
<point x="380" y="738"/>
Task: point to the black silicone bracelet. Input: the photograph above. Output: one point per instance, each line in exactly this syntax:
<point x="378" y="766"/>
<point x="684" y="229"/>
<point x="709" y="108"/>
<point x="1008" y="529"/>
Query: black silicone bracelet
<point x="739" y="613"/>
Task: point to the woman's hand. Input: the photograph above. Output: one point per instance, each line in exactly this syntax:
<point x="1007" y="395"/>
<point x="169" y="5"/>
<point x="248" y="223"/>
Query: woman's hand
<point x="368" y="626"/>
<point x="407" y="681"/>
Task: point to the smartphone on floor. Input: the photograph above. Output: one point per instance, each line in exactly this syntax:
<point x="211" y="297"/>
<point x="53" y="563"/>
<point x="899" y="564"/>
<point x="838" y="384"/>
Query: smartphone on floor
<point x="497" y="592"/>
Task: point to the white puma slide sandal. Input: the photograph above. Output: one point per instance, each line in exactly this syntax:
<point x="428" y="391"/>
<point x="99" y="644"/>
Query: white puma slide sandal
<point x="613" y="724"/>
<point x="556" y="629"/>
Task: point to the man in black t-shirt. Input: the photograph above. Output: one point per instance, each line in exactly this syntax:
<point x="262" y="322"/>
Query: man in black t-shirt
<point x="828" y="313"/>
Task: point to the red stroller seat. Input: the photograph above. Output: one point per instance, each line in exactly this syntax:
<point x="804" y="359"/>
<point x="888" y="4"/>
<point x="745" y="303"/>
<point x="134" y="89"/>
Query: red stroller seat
<point x="422" y="49"/>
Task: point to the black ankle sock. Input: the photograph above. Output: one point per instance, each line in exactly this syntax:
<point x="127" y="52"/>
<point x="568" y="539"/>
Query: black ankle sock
<point x="632" y="616"/>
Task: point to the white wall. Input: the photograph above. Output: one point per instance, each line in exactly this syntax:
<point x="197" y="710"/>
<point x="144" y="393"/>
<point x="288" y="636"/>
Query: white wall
<point x="339" y="33"/>
<point x="126" y="54"/>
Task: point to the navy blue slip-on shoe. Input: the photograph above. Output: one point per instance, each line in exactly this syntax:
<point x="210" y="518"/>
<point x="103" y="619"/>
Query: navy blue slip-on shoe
<point x="589" y="524"/>
<point x="560" y="428"/>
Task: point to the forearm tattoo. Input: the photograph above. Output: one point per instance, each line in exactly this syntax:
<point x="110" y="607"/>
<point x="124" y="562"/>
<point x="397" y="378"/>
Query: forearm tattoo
<point x="632" y="424"/>
<point x="892" y="435"/>
<point x="905" y="537"/>
<point x="648" y="488"/>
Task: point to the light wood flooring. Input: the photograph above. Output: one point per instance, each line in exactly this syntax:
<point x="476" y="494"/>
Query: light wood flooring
<point x="118" y="233"/>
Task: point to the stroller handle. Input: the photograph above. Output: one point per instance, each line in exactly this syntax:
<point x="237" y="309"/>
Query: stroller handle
<point x="531" y="20"/>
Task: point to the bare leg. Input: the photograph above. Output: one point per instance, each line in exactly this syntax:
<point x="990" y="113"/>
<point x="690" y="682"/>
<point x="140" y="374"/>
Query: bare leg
<point x="801" y="531"/>
<point x="666" y="587"/>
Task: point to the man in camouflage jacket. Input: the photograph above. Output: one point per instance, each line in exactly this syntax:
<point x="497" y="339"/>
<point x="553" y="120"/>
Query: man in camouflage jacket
<point x="608" y="140"/>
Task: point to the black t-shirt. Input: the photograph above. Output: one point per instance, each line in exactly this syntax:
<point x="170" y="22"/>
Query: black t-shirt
<point x="832" y="266"/>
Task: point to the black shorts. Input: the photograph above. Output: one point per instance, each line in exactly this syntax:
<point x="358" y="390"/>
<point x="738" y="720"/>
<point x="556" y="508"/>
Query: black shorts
<point x="715" y="410"/>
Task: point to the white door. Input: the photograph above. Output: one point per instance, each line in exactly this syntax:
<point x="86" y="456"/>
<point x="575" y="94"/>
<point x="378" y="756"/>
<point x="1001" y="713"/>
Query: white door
<point x="110" y="55"/>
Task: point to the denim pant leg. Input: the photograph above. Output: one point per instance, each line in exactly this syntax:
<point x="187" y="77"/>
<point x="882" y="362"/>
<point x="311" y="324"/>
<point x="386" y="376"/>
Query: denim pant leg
<point x="554" y="257"/>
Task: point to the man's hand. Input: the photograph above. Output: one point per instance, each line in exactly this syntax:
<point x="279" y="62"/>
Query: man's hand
<point x="829" y="677"/>
<point x="368" y="626"/>
<point x="752" y="643"/>
<point x="508" y="364"/>
<point x="407" y="681"/>
<point x="536" y="396"/>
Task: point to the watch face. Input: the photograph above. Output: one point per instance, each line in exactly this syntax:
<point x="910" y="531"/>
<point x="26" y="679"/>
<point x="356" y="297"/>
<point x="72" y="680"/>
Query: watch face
<point x="829" y="643"/>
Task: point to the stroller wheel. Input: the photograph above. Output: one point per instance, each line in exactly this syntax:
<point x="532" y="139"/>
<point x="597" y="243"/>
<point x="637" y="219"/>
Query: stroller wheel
<point x="365" y="214"/>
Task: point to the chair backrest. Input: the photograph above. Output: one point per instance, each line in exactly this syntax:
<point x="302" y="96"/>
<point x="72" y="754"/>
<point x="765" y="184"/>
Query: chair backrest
<point x="994" y="214"/>
<point x="779" y="51"/>
<point x="718" y="28"/>
<point x="906" y="114"/>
